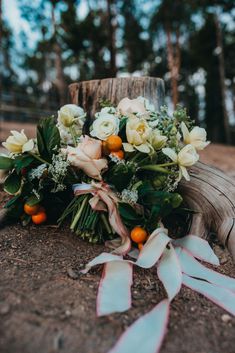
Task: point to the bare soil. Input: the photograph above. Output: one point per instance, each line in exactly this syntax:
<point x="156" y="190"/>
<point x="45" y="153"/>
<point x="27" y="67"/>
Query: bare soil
<point x="47" y="307"/>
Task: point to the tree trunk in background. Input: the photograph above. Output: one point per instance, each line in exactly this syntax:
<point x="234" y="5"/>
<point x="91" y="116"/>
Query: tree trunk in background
<point x="219" y="41"/>
<point x="112" y="38"/>
<point x="173" y="59"/>
<point x="1" y="49"/>
<point x="60" y="79"/>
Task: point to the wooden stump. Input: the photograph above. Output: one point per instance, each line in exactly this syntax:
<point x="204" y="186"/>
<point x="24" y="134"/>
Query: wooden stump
<point x="210" y="192"/>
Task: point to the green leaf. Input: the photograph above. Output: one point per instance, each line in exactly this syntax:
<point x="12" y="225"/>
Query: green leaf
<point x="33" y="200"/>
<point x="12" y="201"/>
<point x="6" y="163"/>
<point x="48" y="138"/>
<point x="12" y="184"/>
<point x="23" y="162"/>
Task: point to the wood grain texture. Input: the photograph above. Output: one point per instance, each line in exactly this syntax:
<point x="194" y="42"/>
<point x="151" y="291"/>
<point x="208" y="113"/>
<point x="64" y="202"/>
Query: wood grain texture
<point x="210" y="192"/>
<point x="88" y="94"/>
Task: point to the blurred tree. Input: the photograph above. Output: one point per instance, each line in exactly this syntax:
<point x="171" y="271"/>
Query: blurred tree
<point x="172" y="18"/>
<point x="88" y="41"/>
<point x="41" y="15"/>
<point x="112" y="23"/>
<point x="137" y="49"/>
<point x="203" y="45"/>
<point x="216" y="8"/>
<point x="7" y="73"/>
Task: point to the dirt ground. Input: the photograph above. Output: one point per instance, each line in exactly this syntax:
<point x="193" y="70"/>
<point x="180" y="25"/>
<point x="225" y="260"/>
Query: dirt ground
<point x="47" y="307"/>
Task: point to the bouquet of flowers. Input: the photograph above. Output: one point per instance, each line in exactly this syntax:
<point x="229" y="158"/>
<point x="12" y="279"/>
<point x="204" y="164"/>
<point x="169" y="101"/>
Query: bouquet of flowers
<point x="116" y="182"/>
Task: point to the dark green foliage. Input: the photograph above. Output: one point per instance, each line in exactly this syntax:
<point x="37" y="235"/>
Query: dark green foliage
<point x="48" y="138"/>
<point x="12" y="183"/>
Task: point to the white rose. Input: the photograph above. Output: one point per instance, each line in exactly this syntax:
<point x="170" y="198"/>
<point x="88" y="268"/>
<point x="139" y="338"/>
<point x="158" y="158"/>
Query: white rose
<point x="130" y="106"/>
<point x="104" y="126"/>
<point x="18" y="142"/>
<point x="157" y="140"/>
<point x="70" y="114"/>
<point x="186" y="158"/>
<point x="196" y="137"/>
<point x="137" y="133"/>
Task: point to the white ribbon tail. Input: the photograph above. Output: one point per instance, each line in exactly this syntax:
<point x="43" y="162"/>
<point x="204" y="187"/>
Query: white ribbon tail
<point x="114" y="294"/>
<point x="146" y="334"/>
<point x="169" y="272"/>
<point x="193" y="268"/>
<point x="221" y="296"/>
<point x="153" y="249"/>
<point x="199" y="248"/>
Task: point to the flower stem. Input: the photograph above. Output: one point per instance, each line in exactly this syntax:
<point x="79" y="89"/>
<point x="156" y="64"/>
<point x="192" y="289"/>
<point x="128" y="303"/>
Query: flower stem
<point x="72" y="132"/>
<point x="78" y="214"/>
<point x="106" y="223"/>
<point x="38" y="158"/>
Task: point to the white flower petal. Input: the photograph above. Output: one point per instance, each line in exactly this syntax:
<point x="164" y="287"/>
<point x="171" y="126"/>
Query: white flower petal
<point x="185" y="133"/>
<point x="127" y="147"/>
<point x="169" y="152"/>
<point x="144" y="148"/>
<point x="185" y="173"/>
<point x="28" y="146"/>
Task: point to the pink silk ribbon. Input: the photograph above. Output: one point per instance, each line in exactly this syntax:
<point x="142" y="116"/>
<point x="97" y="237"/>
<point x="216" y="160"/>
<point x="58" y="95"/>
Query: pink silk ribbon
<point x="104" y="199"/>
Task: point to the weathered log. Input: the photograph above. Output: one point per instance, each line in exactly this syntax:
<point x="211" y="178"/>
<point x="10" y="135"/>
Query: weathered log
<point x="210" y="192"/>
<point x="89" y="93"/>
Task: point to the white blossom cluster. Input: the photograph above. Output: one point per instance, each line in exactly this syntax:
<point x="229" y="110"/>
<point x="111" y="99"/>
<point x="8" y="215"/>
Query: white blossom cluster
<point x="58" y="171"/>
<point x="129" y="196"/>
<point x="37" y="173"/>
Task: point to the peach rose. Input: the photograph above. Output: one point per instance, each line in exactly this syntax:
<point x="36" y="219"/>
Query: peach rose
<point x="87" y="157"/>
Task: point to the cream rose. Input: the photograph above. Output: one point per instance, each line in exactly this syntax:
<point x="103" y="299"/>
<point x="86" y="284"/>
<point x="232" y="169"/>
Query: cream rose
<point x="70" y="114"/>
<point x="196" y="137"/>
<point x="18" y="142"/>
<point x="186" y="158"/>
<point x="130" y="106"/>
<point x="104" y="126"/>
<point x="137" y="133"/>
<point x="87" y="157"/>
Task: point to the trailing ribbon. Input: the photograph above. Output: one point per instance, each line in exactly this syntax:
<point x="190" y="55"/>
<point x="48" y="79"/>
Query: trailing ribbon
<point x="104" y="199"/>
<point x="147" y="333"/>
<point x="176" y="265"/>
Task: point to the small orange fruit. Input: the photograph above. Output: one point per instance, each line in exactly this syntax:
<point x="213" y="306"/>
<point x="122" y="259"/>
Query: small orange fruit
<point x="119" y="154"/>
<point x="114" y="143"/>
<point x="31" y="210"/>
<point x="138" y="234"/>
<point x="140" y="246"/>
<point x="39" y="218"/>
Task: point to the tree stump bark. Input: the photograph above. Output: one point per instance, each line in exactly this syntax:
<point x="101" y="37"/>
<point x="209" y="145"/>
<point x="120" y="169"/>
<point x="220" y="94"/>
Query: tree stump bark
<point x="210" y="193"/>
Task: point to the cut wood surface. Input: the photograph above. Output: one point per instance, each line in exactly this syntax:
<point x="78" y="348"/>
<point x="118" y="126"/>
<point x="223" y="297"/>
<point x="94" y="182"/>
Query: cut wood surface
<point x="210" y="192"/>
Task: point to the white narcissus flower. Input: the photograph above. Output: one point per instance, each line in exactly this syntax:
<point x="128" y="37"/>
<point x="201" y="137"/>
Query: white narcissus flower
<point x="70" y="114"/>
<point x="137" y="133"/>
<point x="196" y="137"/>
<point x="18" y="142"/>
<point x="157" y="140"/>
<point x="104" y="126"/>
<point x="185" y="158"/>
